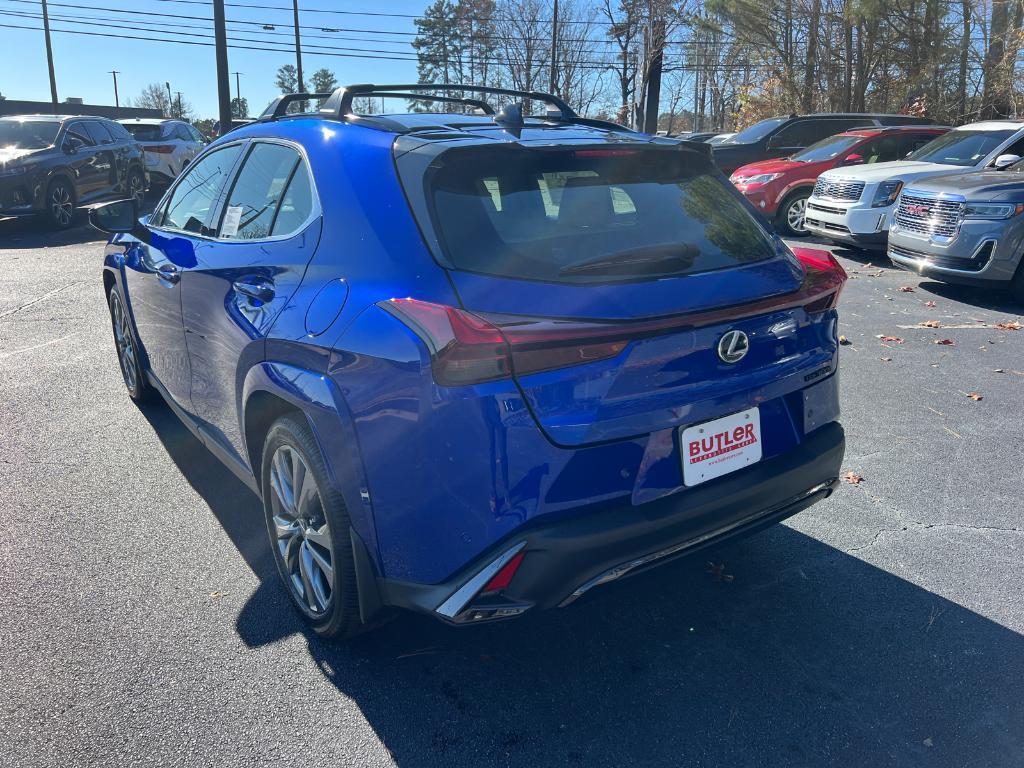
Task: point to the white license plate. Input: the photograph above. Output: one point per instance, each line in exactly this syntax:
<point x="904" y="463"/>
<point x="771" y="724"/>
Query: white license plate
<point x="718" y="447"/>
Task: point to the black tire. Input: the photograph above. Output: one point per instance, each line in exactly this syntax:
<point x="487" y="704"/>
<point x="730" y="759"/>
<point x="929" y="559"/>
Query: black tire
<point x="135" y="186"/>
<point x="1017" y="284"/>
<point x="785" y="219"/>
<point x="60" y="204"/>
<point x="128" y="352"/>
<point x="297" y="532"/>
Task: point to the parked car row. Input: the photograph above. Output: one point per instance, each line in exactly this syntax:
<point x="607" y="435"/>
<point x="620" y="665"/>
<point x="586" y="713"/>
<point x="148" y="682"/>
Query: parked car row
<point x="945" y="203"/>
<point x="50" y="165"/>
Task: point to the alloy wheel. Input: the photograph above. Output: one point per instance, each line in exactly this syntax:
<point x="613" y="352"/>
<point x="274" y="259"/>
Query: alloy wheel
<point x="62" y="207"/>
<point x="795" y="214"/>
<point x="125" y="344"/>
<point x="135" y="188"/>
<point x="302" y="535"/>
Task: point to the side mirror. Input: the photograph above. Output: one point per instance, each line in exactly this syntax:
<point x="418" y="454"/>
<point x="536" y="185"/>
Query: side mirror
<point x="853" y="159"/>
<point x="120" y="216"/>
<point x="1004" y="161"/>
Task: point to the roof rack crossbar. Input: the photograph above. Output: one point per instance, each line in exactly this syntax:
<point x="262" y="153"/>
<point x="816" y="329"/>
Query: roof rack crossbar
<point x="279" y="106"/>
<point x="340" y="103"/>
<point x="486" y="108"/>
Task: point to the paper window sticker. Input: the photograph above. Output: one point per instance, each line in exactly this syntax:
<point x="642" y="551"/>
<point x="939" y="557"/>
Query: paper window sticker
<point x="232" y="218"/>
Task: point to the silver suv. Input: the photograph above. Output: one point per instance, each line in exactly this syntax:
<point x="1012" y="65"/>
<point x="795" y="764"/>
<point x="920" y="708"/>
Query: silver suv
<point x="965" y="228"/>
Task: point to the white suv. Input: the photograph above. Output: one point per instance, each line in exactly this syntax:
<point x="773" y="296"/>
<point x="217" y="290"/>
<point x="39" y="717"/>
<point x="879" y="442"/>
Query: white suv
<point x="855" y="205"/>
<point x="169" y="145"/>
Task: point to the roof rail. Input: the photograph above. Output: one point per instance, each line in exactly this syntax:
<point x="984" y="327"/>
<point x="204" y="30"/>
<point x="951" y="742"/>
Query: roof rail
<point x="340" y="103"/>
<point x="279" y="106"/>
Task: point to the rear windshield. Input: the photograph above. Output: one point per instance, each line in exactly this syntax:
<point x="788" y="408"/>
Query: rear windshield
<point x="959" y="147"/>
<point x="590" y="214"/>
<point x="143" y="132"/>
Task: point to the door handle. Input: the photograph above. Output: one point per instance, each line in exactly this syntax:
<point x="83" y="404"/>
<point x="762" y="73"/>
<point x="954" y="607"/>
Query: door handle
<point x="255" y="288"/>
<point x="168" y="272"/>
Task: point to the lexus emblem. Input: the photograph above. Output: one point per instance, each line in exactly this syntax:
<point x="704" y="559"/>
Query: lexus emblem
<point x="733" y="346"/>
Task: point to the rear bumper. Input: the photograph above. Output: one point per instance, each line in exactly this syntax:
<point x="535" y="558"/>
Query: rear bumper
<point x="565" y="559"/>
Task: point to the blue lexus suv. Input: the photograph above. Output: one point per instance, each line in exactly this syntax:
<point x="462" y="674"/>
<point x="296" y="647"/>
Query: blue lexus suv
<point x="478" y="362"/>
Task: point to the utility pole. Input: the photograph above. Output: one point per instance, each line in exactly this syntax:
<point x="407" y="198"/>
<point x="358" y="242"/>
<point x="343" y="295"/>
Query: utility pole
<point x="49" y="57"/>
<point x="554" y="47"/>
<point x="179" y="106"/>
<point x="117" y="101"/>
<point x="298" y="49"/>
<point x="238" y="86"/>
<point x="170" y="101"/>
<point x="223" y="81"/>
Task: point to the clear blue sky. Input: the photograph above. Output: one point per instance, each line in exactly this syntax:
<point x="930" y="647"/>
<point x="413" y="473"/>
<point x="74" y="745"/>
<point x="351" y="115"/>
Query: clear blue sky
<point x="83" y="62"/>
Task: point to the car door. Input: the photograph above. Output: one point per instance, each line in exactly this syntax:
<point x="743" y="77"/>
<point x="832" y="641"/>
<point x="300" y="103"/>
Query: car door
<point x="269" y="228"/>
<point x="106" y="161"/>
<point x="83" y="161"/>
<point x="179" y="230"/>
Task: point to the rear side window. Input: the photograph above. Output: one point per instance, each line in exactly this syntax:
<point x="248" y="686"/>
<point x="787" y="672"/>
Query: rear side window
<point x="188" y="209"/>
<point x="589" y="215"/>
<point x="117" y="130"/>
<point x="266" y="190"/>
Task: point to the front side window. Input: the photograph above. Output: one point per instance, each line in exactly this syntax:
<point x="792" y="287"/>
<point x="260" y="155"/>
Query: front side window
<point x="589" y="215"/>
<point x="98" y="133"/>
<point x="961" y="147"/>
<point x="884" y="149"/>
<point x="757" y="131"/>
<point x="827" y="149"/>
<point x="79" y="136"/>
<point x="28" y="134"/>
<point x="257" y="199"/>
<point x="189" y="207"/>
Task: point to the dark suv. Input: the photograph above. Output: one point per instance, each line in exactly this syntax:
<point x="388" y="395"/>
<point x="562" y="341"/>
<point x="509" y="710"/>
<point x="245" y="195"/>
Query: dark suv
<point x="782" y="136"/>
<point x="49" y="164"/>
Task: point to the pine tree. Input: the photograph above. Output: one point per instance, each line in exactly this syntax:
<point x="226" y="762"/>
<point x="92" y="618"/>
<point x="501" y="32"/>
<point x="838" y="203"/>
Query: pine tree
<point x="324" y="81"/>
<point x="439" y="48"/>
<point x="287" y="79"/>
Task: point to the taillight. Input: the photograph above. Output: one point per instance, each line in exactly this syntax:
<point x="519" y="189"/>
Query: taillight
<point x="466" y="348"/>
<point x="160" y="149"/>
<point x="824" y="281"/>
<point x="471" y="348"/>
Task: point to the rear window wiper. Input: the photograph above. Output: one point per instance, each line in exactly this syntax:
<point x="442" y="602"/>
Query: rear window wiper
<point x="645" y="260"/>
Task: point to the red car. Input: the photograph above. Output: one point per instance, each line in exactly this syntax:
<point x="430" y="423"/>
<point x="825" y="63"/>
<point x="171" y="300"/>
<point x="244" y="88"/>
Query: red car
<point x="780" y="188"/>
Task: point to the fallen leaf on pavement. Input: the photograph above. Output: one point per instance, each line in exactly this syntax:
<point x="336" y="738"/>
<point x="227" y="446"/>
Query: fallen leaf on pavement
<point x="215" y="595"/>
<point x="929" y="303"/>
<point x="930" y="324"/>
<point x="843" y="340"/>
<point x="853" y="478"/>
<point x="893" y="339"/>
<point x="1009" y="325"/>
<point x="906" y="289"/>
<point x="974" y="396"/>
<point x="946" y="342"/>
<point x="885" y="359"/>
<point x="998" y="370"/>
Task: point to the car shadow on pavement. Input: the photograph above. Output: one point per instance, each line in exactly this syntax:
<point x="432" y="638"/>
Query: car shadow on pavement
<point x="27" y="233"/>
<point x="780" y="651"/>
<point x="983" y="298"/>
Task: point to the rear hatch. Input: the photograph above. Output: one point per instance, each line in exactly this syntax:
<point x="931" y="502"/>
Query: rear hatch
<point x="612" y="274"/>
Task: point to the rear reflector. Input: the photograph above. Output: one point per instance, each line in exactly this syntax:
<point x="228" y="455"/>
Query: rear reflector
<point x="503" y="577"/>
<point x="471" y="348"/>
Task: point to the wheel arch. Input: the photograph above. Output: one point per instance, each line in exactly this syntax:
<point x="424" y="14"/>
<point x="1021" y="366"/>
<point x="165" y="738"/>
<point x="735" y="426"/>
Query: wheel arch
<point x="271" y="390"/>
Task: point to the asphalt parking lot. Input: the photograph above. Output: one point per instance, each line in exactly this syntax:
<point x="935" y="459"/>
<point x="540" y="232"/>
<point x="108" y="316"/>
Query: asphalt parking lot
<point x="143" y="624"/>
